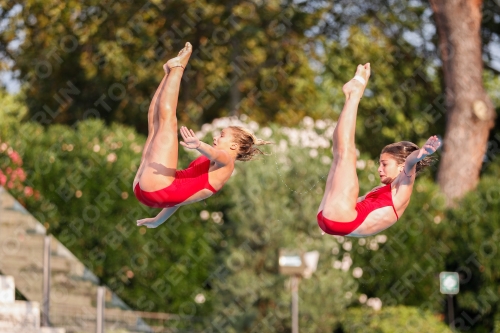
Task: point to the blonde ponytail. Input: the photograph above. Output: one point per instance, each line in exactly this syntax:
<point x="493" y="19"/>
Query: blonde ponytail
<point x="246" y="141"/>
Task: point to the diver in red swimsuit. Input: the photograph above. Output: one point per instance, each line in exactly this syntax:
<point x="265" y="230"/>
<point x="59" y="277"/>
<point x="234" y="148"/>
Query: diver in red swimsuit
<point x="341" y="212"/>
<point x="158" y="183"/>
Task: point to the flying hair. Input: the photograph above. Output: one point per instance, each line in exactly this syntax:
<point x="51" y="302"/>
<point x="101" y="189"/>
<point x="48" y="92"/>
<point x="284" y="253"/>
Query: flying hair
<point x="247" y="141"/>
<point x="401" y="150"/>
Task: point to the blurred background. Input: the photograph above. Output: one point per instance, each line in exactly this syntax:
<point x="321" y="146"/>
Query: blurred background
<point x="77" y="78"/>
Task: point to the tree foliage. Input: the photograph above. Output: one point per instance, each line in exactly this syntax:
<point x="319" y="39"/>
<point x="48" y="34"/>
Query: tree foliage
<point x="473" y="236"/>
<point x="216" y="262"/>
<point x="403" y="99"/>
<point x="84" y="176"/>
<point x="103" y="60"/>
<point x="391" y="319"/>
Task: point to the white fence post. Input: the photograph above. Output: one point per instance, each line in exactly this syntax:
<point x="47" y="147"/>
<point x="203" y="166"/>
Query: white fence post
<point x="46" y="282"/>
<point x="101" y="292"/>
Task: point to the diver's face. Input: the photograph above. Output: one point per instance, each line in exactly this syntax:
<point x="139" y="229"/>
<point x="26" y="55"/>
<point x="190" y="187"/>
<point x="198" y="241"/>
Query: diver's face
<point x="388" y="168"/>
<point x="225" y="140"/>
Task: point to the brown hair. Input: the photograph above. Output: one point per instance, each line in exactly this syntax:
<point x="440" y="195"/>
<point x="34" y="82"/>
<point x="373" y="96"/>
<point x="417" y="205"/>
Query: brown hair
<point x="401" y="150"/>
<point x="246" y="142"/>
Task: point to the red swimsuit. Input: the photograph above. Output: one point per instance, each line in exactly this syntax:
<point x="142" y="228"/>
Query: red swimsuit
<point x="379" y="198"/>
<point x="187" y="182"/>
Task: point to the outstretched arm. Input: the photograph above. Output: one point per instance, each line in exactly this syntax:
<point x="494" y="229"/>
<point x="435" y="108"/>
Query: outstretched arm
<point x="153" y="222"/>
<point x="192" y="142"/>
<point x="430" y="147"/>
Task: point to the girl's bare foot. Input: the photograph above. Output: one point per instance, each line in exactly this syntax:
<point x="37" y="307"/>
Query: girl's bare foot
<point x="181" y="60"/>
<point x="363" y="71"/>
<point x="356" y="87"/>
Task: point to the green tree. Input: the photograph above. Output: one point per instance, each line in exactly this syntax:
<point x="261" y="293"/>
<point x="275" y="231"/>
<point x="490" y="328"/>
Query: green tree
<point x="402" y="99"/>
<point x="12" y="173"/>
<point x="218" y="261"/>
<point x="84" y="176"/>
<point x="391" y="319"/>
<point x="473" y="236"/>
<point x="103" y="60"/>
<point x="13" y="110"/>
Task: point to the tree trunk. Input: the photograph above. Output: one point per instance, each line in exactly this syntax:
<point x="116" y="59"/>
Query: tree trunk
<point x="470" y="112"/>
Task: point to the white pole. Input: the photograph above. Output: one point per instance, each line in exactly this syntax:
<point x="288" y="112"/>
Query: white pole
<point x="101" y="291"/>
<point x="46" y="281"/>
<point x="295" y="303"/>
